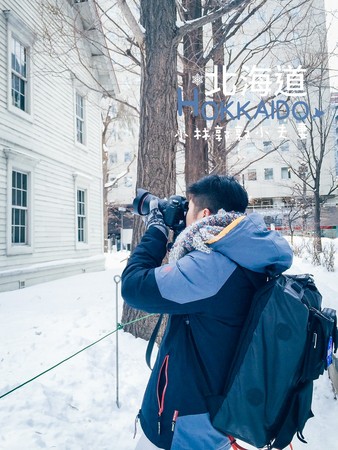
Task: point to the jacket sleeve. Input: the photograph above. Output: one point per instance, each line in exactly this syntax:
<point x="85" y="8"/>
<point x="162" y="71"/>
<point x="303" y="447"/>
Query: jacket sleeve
<point x="176" y="288"/>
<point x="139" y="288"/>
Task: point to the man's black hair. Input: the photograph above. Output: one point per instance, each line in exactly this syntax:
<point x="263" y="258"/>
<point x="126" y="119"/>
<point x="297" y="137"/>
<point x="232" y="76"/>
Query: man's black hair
<point x="218" y="191"/>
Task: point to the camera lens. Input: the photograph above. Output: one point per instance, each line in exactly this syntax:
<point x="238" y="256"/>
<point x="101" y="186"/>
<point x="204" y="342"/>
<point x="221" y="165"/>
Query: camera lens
<point x="141" y="202"/>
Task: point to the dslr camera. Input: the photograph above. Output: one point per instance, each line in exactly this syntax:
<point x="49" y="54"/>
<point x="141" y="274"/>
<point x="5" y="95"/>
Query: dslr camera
<point x="174" y="210"/>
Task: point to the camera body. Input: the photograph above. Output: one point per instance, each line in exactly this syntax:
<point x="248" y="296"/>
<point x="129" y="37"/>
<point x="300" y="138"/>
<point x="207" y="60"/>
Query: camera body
<point x="174" y="209"/>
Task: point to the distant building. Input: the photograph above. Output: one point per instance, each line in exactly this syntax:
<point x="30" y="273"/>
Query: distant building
<point x="268" y="158"/>
<point x="334" y="105"/>
<point x="51" y="203"/>
<point x="122" y="148"/>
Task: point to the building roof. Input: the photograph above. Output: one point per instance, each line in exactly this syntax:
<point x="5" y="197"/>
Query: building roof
<point x="96" y="39"/>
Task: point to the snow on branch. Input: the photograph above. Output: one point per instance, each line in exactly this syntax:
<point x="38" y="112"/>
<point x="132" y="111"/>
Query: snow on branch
<point x="132" y="22"/>
<point x="118" y="177"/>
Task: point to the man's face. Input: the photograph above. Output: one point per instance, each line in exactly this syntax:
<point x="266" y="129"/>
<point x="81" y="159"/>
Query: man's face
<point x="193" y="213"/>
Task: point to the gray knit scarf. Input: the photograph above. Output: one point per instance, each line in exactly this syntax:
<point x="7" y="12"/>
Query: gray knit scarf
<point x="196" y="235"/>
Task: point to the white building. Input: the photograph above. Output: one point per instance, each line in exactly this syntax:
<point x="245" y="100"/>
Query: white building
<point x="122" y="142"/>
<point x="50" y="140"/>
<point x="284" y="73"/>
<point x="334" y="105"/>
<point x="122" y="168"/>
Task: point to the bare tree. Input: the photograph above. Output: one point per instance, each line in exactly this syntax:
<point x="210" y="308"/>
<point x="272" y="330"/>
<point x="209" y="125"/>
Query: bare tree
<point x="202" y="52"/>
<point x="314" y="129"/>
<point x="297" y="210"/>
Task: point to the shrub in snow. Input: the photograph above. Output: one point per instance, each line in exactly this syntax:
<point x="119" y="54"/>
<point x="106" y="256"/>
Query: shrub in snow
<point x="299" y="247"/>
<point x="328" y="256"/>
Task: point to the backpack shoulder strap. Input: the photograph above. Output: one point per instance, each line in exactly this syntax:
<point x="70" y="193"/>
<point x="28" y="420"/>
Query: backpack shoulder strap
<point x="152" y="340"/>
<point x="257" y="279"/>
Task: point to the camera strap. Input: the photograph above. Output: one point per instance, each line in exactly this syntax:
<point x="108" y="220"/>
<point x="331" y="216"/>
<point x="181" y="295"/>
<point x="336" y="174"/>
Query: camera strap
<point x="152" y="340"/>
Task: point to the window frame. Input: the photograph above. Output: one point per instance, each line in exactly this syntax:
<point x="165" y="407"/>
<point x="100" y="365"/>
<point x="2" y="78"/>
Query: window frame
<point x="127" y="157"/>
<point x="82" y="183"/>
<point x="268" y="179"/>
<point x="250" y="173"/>
<point x="113" y="157"/>
<point x="267" y="146"/>
<point x="285" y="147"/>
<point x="288" y="172"/>
<point x="81" y="215"/>
<point x="17" y="30"/>
<point x="112" y="179"/>
<point x="23" y="163"/>
<point x="128" y="181"/>
<point x="82" y="119"/>
<point x="20" y="75"/>
<point x="19" y="221"/>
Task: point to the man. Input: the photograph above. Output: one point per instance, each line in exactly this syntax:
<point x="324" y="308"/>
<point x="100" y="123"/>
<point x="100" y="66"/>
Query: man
<point x="206" y="289"/>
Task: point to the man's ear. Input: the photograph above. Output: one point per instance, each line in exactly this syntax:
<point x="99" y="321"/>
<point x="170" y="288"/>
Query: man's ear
<point x="206" y="212"/>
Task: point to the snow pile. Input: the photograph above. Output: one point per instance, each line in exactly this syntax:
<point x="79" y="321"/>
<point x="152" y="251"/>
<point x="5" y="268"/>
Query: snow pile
<point x="73" y="407"/>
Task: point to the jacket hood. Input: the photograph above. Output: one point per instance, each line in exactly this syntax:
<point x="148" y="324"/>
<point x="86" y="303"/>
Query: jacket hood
<point x="250" y="244"/>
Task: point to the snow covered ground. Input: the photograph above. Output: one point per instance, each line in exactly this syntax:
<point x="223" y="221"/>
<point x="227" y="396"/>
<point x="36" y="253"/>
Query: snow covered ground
<point x="73" y="407"/>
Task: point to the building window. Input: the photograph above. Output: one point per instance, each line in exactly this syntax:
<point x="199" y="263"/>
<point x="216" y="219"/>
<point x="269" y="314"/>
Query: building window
<point x="80" y="119"/>
<point x="114" y="182"/>
<point x="81" y="216"/>
<point x="113" y="158"/>
<point x="252" y="175"/>
<point x="268" y="174"/>
<point x="301" y="144"/>
<point x="250" y="147"/>
<point x="127" y="156"/>
<point x="267" y="146"/>
<point x="128" y="181"/>
<point x="285" y="173"/>
<point x="20" y="42"/>
<point x="19" y="223"/>
<point x="20" y="202"/>
<point x="19" y="74"/>
<point x="284" y="147"/>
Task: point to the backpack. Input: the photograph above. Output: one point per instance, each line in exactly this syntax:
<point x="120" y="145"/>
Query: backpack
<point x="286" y="343"/>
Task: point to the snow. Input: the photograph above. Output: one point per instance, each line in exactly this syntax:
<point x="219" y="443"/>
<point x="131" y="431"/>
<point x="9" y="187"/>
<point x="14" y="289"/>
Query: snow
<point x="73" y="407"/>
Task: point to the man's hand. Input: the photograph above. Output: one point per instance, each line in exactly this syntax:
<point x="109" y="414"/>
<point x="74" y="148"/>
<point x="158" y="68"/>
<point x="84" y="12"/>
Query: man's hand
<point x="155" y="218"/>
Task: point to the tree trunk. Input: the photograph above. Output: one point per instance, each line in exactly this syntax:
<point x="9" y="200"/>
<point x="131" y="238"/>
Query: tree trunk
<point x="156" y="170"/>
<point x="196" y="150"/>
<point x="317" y="232"/>
<point x="219" y="154"/>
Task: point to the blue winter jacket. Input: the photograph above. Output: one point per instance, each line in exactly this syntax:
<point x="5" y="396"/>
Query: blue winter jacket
<point x="207" y="297"/>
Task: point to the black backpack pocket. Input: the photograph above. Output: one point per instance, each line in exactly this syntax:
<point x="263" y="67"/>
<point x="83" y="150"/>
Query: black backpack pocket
<point x="319" y="345"/>
<point x="298" y="411"/>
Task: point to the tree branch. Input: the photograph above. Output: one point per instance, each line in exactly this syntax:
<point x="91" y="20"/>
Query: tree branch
<point x="192" y="25"/>
<point x="132" y="22"/>
<point x="110" y="184"/>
